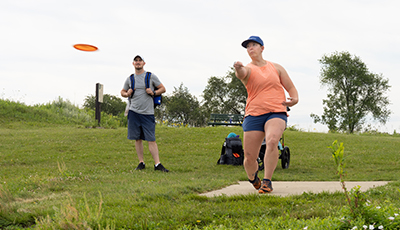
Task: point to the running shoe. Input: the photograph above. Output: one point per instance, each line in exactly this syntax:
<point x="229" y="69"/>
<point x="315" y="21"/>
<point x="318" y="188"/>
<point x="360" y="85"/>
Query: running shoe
<point x="161" y="168"/>
<point x="140" y="166"/>
<point x="266" y="187"/>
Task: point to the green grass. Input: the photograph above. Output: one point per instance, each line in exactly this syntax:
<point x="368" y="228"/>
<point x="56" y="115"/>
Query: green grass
<point x="69" y="177"/>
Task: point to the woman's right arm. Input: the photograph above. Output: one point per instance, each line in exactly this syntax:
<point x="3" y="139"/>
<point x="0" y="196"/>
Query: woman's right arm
<point x="242" y="72"/>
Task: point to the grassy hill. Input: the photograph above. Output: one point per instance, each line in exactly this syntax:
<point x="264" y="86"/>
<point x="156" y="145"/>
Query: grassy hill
<point x="57" y="174"/>
<point x="15" y="115"/>
<point x="18" y="115"/>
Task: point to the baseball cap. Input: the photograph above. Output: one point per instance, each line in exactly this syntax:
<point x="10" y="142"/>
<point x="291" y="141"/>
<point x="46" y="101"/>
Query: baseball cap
<point x="139" y="56"/>
<point x="253" y="39"/>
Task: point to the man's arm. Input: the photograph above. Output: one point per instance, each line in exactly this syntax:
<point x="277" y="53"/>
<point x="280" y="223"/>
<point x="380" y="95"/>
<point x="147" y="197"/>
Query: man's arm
<point x="126" y="93"/>
<point x="160" y="90"/>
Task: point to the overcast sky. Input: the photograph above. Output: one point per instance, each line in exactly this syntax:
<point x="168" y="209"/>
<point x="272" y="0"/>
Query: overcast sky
<point x="185" y="41"/>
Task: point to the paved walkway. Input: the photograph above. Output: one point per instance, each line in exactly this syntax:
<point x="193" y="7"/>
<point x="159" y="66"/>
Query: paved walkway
<point x="285" y="188"/>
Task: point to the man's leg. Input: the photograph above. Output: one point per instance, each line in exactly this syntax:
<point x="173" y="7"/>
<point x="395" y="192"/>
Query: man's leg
<point x="153" y="148"/>
<point x="139" y="150"/>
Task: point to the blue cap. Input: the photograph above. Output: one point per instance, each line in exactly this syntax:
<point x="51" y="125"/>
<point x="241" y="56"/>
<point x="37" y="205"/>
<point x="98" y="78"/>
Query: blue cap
<point x="253" y="39"/>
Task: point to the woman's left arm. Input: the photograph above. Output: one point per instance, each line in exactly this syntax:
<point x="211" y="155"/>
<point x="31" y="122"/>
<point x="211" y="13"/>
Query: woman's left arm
<point x="288" y="85"/>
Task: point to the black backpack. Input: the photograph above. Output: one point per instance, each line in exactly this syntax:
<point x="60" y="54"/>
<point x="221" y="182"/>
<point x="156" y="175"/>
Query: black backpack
<point x="232" y="152"/>
<point x="157" y="99"/>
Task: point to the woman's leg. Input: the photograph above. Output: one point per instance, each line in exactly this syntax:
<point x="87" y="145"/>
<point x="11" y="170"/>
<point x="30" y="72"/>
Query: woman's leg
<point x="273" y="132"/>
<point x="251" y="144"/>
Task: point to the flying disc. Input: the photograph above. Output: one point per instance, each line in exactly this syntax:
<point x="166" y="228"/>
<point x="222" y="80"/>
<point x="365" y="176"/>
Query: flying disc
<point x="85" y="47"/>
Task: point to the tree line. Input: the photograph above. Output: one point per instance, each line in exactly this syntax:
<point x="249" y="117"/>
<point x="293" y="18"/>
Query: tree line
<point x="353" y="94"/>
<point x="225" y="95"/>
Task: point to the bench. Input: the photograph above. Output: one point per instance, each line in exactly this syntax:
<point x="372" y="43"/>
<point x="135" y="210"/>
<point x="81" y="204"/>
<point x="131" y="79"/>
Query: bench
<point x="226" y="119"/>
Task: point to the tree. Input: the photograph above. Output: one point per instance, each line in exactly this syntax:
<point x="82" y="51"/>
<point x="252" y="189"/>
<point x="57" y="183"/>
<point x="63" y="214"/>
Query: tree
<point x="182" y="107"/>
<point x="354" y="93"/>
<point x="111" y="104"/>
<point x="160" y="111"/>
<point x="225" y="94"/>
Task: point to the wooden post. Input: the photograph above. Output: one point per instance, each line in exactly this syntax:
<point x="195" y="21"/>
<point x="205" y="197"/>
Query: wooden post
<point x="99" y="100"/>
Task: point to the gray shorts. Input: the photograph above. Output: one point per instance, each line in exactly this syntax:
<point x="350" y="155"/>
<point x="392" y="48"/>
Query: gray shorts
<point x="141" y="127"/>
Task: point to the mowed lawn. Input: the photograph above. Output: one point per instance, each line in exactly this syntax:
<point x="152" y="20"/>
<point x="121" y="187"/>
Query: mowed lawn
<point x="43" y="171"/>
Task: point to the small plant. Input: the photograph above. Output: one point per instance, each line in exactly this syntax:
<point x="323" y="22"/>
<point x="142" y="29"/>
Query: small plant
<point x="5" y="200"/>
<point x="72" y="216"/>
<point x="360" y="212"/>
<point x="338" y="156"/>
<point x="62" y="168"/>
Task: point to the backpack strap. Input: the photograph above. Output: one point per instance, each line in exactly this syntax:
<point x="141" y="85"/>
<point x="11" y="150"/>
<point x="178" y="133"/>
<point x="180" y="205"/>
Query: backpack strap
<point x="221" y="159"/>
<point x="147" y="79"/>
<point x="132" y="77"/>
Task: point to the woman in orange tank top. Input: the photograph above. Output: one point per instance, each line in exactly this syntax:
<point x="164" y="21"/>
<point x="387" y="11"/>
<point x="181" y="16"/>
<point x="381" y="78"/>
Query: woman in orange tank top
<point x="265" y="114"/>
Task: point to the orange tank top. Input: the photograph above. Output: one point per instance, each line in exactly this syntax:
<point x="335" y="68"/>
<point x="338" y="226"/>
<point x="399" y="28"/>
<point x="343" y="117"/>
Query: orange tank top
<point x="265" y="91"/>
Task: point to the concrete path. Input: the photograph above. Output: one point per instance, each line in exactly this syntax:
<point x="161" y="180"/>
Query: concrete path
<point x="285" y="188"/>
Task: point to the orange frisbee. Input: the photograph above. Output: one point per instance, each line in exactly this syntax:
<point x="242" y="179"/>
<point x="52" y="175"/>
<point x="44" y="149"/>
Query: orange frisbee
<point x="85" y="47"/>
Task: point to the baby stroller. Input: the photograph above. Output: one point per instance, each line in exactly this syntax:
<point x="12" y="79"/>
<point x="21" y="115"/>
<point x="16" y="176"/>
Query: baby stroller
<point x="284" y="155"/>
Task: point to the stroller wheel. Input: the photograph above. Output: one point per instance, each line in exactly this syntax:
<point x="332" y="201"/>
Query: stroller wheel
<point x="285" y="157"/>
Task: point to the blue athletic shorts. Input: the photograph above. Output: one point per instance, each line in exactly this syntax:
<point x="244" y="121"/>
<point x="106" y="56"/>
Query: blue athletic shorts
<point x="141" y="127"/>
<point x="256" y="123"/>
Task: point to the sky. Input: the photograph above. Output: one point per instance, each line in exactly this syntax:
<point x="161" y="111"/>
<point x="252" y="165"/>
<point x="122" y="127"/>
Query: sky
<point x="187" y="42"/>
